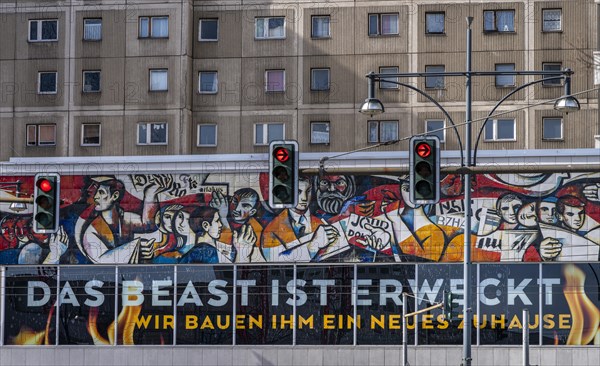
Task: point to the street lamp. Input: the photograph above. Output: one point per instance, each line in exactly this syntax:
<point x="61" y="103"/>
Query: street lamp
<point x="16" y="204"/>
<point x="373" y="106"/>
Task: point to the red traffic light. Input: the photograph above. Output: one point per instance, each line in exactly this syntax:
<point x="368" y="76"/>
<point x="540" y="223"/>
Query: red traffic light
<point x="281" y="154"/>
<point x="45" y="185"/>
<point x="423" y="149"/>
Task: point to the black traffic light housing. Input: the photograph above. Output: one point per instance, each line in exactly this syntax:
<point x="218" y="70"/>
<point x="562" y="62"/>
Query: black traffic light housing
<point x="449" y="305"/>
<point x="424" y="170"/>
<point x="46" y="203"/>
<point x="283" y="174"/>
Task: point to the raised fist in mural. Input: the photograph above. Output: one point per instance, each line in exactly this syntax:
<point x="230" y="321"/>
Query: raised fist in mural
<point x="244" y="241"/>
<point x="550" y="248"/>
<point x="592" y="192"/>
<point x="379" y="239"/>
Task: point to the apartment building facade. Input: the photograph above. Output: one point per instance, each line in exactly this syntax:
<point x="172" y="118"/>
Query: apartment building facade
<point x="111" y="78"/>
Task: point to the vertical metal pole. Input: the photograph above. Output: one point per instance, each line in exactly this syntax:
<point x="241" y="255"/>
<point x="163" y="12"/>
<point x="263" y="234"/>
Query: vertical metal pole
<point x="294" y="309"/>
<point x="2" y="302"/>
<point x="175" y="305"/>
<point x="525" y="337"/>
<point x="467" y="203"/>
<point x="234" y="310"/>
<point x="404" y="332"/>
<point x="355" y="307"/>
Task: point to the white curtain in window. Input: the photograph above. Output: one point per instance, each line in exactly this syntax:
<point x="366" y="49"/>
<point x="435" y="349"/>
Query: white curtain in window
<point x="160" y="27"/>
<point x="389" y="24"/>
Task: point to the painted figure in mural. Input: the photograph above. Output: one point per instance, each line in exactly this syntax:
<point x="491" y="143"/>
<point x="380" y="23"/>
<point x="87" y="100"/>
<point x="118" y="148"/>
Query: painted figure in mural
<point x="106" y="234"/>
<point x="546" y="211"/>
<point x="295" y="234"/>
<point x="42" y="248"/>
<point x="507" y="206"/>
<point x="333" y="191"/>
<point x="8" y="231"/>
<point x="164" y="237"/>
<point x="571" y="213"/>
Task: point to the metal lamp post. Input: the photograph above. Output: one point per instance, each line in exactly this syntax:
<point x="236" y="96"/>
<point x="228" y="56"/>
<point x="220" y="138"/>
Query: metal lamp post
<point x="373" y="106"/>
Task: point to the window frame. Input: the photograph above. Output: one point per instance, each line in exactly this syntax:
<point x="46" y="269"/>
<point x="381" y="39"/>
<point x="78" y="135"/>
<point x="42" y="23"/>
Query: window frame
<point x="383" y="83"/>
<point x="495" y="21"/>
<point x="149" y="133"/>
<point x="544" y="29"/>
<point x="312" y="26"/>
<point x="436" y="85"/>
<point x="200" y="38"/>
<point x="266" y="19"/>
<point x="514" y="77"/>
<point x="39" y="32"/>
<point x="312" y="78"/>
<point x="36" y="129"/>
<point x="268" y="72"/>
<point x="84" y="32"/>
<point x="265" y="140"/>
<point x="494" y="124"/>
<point x="150" y="73"/>
<point x="216" y="131"/>
<point x="552" y="83"/>
<point x="380" y="124"/>
<point x="84" y="72"/>
<point x="83" y="126"/>
<point x="379" y="23"/>
<point x="150" y="19"/>
<point x="443" y="131"/>
<point x="39" y="88"/>
<point x="562" y="129"/>
<point x="443" y="13"/>
<point x="215" y="82"/>
<point x="312" y="125"/>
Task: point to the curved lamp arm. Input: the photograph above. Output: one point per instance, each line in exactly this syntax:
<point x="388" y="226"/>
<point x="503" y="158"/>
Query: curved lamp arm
<point x="436" y="104"/>
<point x="498" y="105"/>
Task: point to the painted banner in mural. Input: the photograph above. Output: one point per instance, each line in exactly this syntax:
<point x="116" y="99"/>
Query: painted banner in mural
<point x="223" y="218"/>
<point x="303" y="304"/>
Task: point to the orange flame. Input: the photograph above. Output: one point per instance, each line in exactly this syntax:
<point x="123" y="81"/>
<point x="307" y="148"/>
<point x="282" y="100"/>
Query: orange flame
<point x="586" y="317"/>
<point x="125" y="326"/>
<point x="28" y="336"/>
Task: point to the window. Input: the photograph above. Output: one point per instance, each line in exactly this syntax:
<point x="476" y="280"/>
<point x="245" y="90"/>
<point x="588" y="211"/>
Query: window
<point x="91" y="81"/>
<point x="383" y="24"/>
<point x="319" y="79"/>
<point x="269" y="28"/>
<point x="159" y="80"/>
<point x="152" y="133"/>
<point x="434" y="82"/>
<point x="208" y="30"/>
<point x="208" y="82"/>
<point x="41" y="135"/>
<point x="436" y="128"/>
<point x="382" y="131"/>
<point x="505" y="80"/>
<point x="92" y="29"/>
<point x="499" y="21"/>
<point x="90" y="134"/>
<point x="552" y="20"/>
<point x="319" y="132"/>
<point x="43" y="30"/>
<point x="500" y="130"/>
<point x="552" y="66"/>
<point x="388" y="83"/>
<point x="154" y="27"/>
<point x="207" y="135"/>
<point x="47" y="82"/>
<point x="434" y="23"/>
<point x="320" y="26"/>
<point x="264" y="133"/>
<point x="552" y="128"/>
<point x="275" y="80"/>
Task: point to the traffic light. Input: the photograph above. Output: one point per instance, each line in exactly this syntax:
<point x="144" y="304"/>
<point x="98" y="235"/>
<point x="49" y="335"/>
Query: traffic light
<point x="424" y="170"/>
<point x="46" y="203"/>
<point x="283" y="174"/>
<point x="449" y="305"/>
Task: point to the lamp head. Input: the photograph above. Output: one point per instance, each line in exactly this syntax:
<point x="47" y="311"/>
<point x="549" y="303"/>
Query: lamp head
<point x="567" y="104"/>
<point x="372" y="107"/>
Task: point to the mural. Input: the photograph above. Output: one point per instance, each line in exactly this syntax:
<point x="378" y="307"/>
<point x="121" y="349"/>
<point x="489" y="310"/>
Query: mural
<point x="223" y="218"/>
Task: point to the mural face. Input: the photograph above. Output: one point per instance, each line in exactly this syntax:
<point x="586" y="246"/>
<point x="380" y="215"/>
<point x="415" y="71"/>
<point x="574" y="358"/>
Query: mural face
<point x="202" y="218"/>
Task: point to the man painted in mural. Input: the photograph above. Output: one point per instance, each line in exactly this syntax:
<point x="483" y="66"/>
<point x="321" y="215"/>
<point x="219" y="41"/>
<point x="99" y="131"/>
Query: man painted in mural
<point x="295" y="234"/>
<point x="333" y="192"/>
<point x="571" y="213"/>
<point x="417" y="238"/>
<point x="546" y="211"/>
<point x="243" y="209"/>
<point x="164" y="237"/>
<point x="104" y="232"/>
<point x="43" y="248"/>
<point x="507" y="206"/>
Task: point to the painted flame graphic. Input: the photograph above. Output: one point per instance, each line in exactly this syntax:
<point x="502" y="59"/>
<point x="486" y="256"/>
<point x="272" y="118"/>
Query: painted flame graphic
<point x="586" y="316"/>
